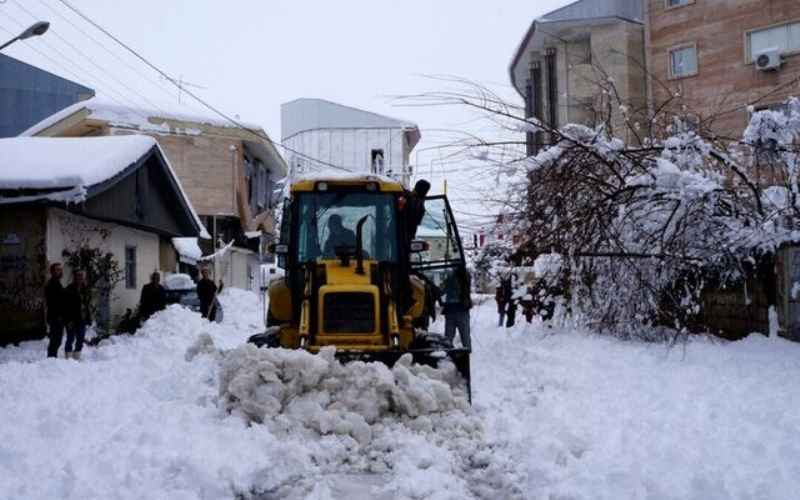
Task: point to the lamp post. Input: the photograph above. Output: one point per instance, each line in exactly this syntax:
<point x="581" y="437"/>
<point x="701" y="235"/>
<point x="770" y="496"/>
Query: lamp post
<point x="36" y="29"/>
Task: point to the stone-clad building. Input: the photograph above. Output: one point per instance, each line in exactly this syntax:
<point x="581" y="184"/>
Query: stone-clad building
<point x="705" y="51"/>
<point x="568" y="54"/>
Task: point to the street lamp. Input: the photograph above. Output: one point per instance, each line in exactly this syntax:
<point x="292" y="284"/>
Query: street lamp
<point x="36" y="29"/>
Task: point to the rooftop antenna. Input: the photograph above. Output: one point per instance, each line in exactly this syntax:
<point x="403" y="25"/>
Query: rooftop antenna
<point x="181" y="83"/>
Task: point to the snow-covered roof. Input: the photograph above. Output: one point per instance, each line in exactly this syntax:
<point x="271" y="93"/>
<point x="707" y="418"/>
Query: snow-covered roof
<point x="64" y="169"/>
<point x="188" y="249"/>
<point x="140" y="118"/>
<point x="306" y="114"/>
<point x="48" y="163"/>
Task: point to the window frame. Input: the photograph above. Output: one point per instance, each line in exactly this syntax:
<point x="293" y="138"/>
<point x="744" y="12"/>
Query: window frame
<point x="130" y="277"/>
<point x="667" y="6"/>
<point x="675" y="48"/>
<point x="748" y="47"/>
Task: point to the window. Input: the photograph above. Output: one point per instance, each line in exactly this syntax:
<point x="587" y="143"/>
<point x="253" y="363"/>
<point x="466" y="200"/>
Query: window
<point x="318" y="236"/>
<point x="376" y="161"/>
<point x="785" y="38"/>
<point x="677" y="3"/>
<point x="683" y="61"/>
<point x="130" y="267"/>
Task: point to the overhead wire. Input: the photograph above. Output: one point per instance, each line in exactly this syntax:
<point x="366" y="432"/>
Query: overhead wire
<point x="194" y="96"/>
<point x="93" y="63"/>
<point x="62" y="67"/>
<point x="156" y="83"/>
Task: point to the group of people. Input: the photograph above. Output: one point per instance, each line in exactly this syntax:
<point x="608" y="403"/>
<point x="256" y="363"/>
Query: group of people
<point x="68" y="309"/>
<point x="154" y="296"/>
<point x="509" y="299"/>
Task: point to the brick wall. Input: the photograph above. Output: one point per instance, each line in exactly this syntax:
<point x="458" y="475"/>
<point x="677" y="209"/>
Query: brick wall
<point x="725" y="82"/>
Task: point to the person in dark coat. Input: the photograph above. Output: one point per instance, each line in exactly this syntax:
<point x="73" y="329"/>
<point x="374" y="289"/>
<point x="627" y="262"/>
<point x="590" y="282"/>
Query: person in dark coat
<point x="511" y="303"/>
<point x="415" y="208"/>
<point x="207" y="292"/>
<point x="339" y="236"/>
<point x="153" y="298"/>
<point x="500" y="299"/>
<point x="54" y="300"/>
<point x="77" y="314"/>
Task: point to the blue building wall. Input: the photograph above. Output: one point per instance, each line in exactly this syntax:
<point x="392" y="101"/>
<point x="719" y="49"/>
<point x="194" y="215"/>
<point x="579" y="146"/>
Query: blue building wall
<point x="29" y="94"/>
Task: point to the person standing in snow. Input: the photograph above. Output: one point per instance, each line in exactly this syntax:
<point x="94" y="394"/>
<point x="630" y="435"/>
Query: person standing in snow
<point x="500" y="299"/>
<point x="511" y="305"/>
<point x="456" y="308"/>
<point x="77" y="314"/>
<point x="153" y="298"/>
<point x="54" y="300"/>
<point x="207" y="293"/>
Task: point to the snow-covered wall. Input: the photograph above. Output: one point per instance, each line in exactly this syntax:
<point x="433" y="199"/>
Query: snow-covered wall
<point x="67" y="231"/>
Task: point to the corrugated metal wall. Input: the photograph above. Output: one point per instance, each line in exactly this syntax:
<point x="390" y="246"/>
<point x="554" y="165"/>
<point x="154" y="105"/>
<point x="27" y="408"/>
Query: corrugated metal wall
<point x="29" y="94"/>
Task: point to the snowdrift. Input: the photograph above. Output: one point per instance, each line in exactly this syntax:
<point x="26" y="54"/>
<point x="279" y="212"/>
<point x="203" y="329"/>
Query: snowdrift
<point x="287" y="387"/>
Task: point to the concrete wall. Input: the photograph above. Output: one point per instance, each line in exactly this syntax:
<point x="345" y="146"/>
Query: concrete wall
<point x="69" y="231"/>
<point x="725" y="82"/>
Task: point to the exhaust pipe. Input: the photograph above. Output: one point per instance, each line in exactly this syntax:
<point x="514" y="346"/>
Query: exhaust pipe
<point x="360" y="245"/>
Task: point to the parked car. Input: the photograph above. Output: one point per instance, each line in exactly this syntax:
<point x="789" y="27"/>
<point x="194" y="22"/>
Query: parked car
<point x="181" y="289"/>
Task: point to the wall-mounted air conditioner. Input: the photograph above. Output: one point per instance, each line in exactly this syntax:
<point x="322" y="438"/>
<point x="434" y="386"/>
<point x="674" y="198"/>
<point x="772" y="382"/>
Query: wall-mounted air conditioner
<point x="768" y="60"/>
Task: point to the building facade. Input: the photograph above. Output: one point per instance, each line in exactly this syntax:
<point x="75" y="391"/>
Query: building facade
<point x="575" y="61"/>
<point x="703" y="56"/>
<point x="324" y="133"/>
<point x="230" y="174"/>
<point x="109" y="205"/>
<point x="29" y="94"/>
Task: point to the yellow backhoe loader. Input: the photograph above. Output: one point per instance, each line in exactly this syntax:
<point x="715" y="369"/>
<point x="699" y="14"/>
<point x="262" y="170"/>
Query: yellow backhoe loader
<point x="355" y="280"/>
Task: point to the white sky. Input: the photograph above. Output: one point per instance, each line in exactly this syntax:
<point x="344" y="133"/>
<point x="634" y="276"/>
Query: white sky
<point x="249" y="56"/>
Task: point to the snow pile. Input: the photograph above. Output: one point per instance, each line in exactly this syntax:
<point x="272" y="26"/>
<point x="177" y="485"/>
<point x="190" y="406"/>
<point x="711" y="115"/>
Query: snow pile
<point x="179" y="282"/>
<point x="320" y="393"/>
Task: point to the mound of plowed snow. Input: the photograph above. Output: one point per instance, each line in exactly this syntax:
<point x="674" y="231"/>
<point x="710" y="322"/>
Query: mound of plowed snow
<point x="321" y="394"/>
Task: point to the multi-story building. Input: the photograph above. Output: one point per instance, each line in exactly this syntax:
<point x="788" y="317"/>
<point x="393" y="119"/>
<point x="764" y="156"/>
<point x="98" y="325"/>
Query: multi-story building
<point x="326" y="134"/>
<point x="29" y="94"/>
<point x="715" y="58"/>
<point x="571" y="55"/>
<point x="229" y="174"/>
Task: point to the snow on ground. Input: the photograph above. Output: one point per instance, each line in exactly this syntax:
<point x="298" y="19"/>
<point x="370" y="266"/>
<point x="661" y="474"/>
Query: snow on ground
<point x="182" y="410"/>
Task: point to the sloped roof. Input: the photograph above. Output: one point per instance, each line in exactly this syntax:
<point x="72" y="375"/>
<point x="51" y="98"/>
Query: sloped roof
<point x="71" y="170"/>
<point x="306" y="114"/>
<point x="581" y="11"/>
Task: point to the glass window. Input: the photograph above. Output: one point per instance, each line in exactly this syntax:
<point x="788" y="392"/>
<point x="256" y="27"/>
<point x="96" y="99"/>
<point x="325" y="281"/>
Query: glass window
<point x="784" y="38"/>
<point x="329" y="221"/>
<point x="675" y="3"/>
<point x="683" y="61"/>
<point x="130" y="267"/>
<point x="437" y="228"/>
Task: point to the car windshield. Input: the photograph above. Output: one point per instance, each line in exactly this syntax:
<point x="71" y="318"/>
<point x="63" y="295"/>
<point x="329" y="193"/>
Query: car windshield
<point x="328" y="221"/>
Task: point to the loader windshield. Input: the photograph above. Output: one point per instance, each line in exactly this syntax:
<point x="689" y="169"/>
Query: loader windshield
<point x="328" y="220"/>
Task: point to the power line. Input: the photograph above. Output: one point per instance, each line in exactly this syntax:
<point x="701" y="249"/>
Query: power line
<point x="147" y="78"/>
<point x="192" y="94"/>
<point x="65" y="68"/>
<point x="93" y="63"/>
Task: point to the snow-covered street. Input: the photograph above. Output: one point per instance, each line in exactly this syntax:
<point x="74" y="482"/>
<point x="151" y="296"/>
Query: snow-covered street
<point x="557" y="414"/>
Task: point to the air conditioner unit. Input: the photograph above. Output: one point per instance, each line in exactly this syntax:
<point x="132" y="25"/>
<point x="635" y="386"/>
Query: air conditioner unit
<point x="768" y="60"/>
